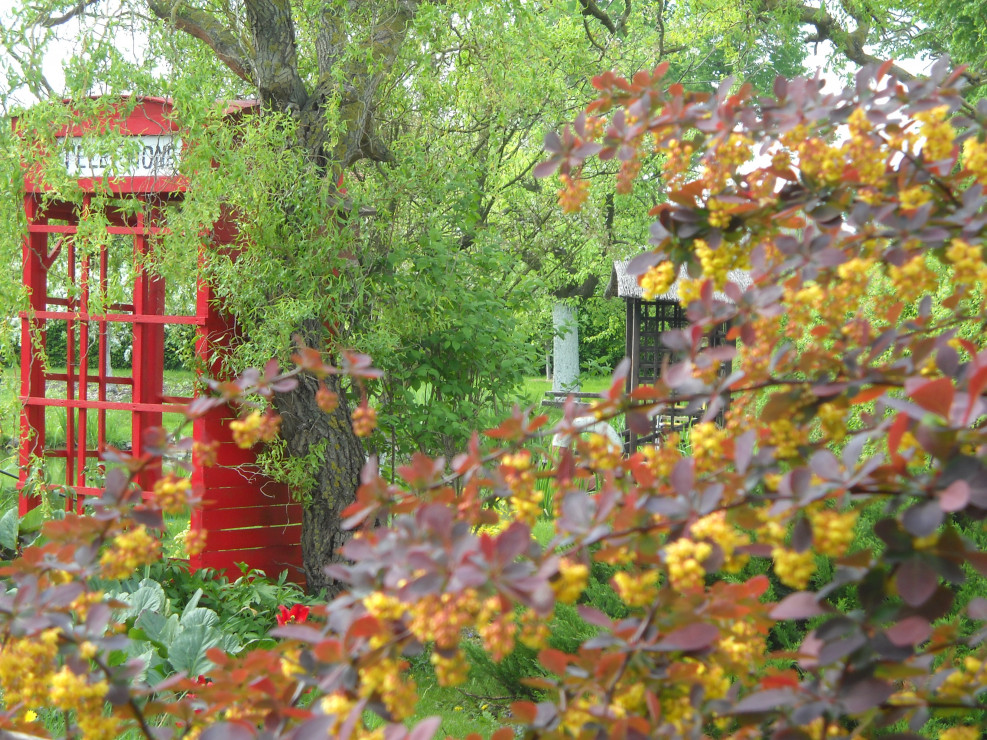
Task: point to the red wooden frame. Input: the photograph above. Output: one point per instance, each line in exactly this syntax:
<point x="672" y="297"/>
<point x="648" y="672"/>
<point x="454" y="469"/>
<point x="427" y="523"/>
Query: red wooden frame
<point x="247" y="517"/>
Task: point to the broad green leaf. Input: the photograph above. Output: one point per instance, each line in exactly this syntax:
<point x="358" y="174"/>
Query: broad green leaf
<point x="188" y="652"/>
<point x="8" y="529"/>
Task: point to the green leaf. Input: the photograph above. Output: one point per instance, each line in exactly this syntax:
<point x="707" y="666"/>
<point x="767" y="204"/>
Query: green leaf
<point x="148" y="597"/>
<point x="199" y="617"/>
<point x="158" y="629"/>
<point x="192" y="602"/>
<point x="188" y="651"/>
<point x="32" y="520"/>
<point x="8" y="529"/>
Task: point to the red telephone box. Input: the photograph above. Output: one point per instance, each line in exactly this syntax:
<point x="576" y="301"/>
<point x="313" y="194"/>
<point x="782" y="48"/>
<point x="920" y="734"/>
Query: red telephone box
<point x="248" y="518"/>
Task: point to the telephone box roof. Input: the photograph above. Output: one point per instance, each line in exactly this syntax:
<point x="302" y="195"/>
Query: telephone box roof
<point x="152" y="168"/>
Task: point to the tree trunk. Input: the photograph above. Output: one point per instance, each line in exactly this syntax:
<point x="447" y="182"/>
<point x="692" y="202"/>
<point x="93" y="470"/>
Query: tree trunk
<point x="566" y="365"/>
<point x="304" y="426"/>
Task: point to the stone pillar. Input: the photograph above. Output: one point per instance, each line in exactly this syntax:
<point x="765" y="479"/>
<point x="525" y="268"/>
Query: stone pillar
<point x="565" y="376"/>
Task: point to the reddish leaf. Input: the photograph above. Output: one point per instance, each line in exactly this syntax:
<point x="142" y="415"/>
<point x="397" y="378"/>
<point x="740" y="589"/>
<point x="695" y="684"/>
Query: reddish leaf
<point x="504" y="733"/>
<point x="916" y="582"/>
<point x="909" y="631"/>
<point x="554" y="660"/>
<point x="922" y="519"/>
<point x="866" y="694"/>
<point x="955" y="496"/>
<point x="764" y="701"/>
<point x="526" y="711"/>
<point x="799" y="605"/>
<point x="426" y="729"/>
<point x="868" y="394"/>
<point x="977" y="609"/>
<point x="365" y="626"/>
<point x="934" y="395"/>
<point x="696" y="636"/>
<point x="784" y="679"/>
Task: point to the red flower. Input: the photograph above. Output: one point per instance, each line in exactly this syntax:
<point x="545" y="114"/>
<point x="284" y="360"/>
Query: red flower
<point x="296" y="615"/>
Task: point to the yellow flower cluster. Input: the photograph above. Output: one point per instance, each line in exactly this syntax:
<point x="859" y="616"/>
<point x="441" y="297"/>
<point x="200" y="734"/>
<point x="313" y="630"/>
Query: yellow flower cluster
<point x="662" y="460"/>
<point x="525" y="499"/>
<point x="72" y="692"/>
<point x="255" y="427"/>
<point x="25" y="668"/>
<point x="171" y="493"/>
<point x="707" y="441"/>
<point x="717" y="263"/>
<point x="194" y="541"/>
<point x="968" y="263"/>
<point x="83" y="602"/>
<point x="690" y="290"/>
<point x="794" y="569"/>
<point x="637" y="589"/>
<point x="786" y="437"/>
<point x="684" y="559"/>
<point x="657" y="280"/>
<point x="937" y="132"/>
<point x="966" y="732"/>
<point x="913" y="197"/>
<point x="602" y="453"/>
<point x="572" y="194"/>
<point x="721" y="162"/>
<point x="913" y="279"/>
<point x="326" y="399"/>
<point x="205" y="453"/>
<point x="290" y="664"/>
<point x="966" y="680"/>
<point x="810" y="295"/>
<point x="384" y="606"/>
<point x="975" y="159"/>
<point x="741" y="644"/>
<point x="128" y="551"/>
<point x="863" y="152"/>
<point x="534" y="631"/>
<point x="387" y="678"/>
<point x="364" y="419"/>
<point x="678" y="159"/>
<point x="676" y="705"/>
<point x="571" y="581"/>
<point x="833" y="420"/>
<point x="715" y="528"/>
<point x="855" y="271"/>
<point x="832" y="531"/>
<point x="498" y="635"/>
<point x="450" y="670"/>
<point x="576" y="716"/>
<point x="338" y="705"/>
<point x="441" y="618"/>
<point x="719" y="218"/>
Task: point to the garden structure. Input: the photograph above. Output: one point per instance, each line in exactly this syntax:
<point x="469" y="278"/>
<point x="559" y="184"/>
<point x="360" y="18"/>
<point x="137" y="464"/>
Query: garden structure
<point x="646" y="322"/>
<point x="66" y="257"/>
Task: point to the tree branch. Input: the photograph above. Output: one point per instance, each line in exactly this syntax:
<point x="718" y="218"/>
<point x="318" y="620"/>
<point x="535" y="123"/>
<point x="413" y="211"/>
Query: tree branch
<point x="828" y="28"/>
<point x="79" y="9"/>
<point x="205" y="27"/>
<point x="589" y="7"/>
<point x="275" y="54"/>
<point x="363" y="74"/>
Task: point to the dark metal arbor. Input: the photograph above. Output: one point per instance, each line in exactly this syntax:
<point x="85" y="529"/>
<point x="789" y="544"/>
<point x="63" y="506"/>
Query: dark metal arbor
<point x="646" y="322"/>
<point x="66" y="255"/>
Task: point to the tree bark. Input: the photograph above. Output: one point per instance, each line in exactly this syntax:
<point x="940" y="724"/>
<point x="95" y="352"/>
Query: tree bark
<point x="305" y="426"/>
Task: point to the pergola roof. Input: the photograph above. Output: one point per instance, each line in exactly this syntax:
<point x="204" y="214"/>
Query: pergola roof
<point x="623" y="285"/>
